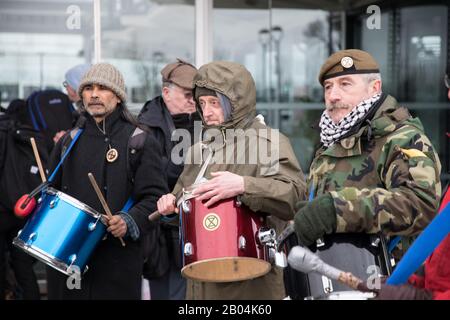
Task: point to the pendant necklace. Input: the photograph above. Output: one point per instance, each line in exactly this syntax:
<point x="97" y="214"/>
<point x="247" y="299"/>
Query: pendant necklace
<point x="112" y="154"/>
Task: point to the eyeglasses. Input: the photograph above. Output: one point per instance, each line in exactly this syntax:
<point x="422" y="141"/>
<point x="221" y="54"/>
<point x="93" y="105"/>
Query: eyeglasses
<point x="65" y="84"/>
<point x="447" y="81"/>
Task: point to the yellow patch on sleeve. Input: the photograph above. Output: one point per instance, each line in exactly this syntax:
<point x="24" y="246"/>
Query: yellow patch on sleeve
<point x="412" y="153"/>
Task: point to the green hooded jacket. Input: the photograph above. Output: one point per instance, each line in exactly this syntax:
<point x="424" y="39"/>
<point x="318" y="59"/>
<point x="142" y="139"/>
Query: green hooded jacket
<point x="273" y="180"/>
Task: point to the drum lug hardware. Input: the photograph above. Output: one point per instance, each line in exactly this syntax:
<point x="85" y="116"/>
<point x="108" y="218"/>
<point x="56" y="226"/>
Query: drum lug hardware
<point x="242" y="243"/>
<point x="72" y="259"/>
<point x="327" y="284"/>
<point x="73" y="268"/>
<point x="375" y="242"/>
<point x="280" y="259"/>
<point x="31" y="239"/>
<point x="238" y="201"/>
<point x="320" y="243"/>
<point x="272" y="254"/>
<point x="186" y="206"/>
<point x="267" y="237"/>
<point x="19" y="232"/>
<point x="39" y="200"/>
<point x="188" y="250"/>
<point x="53" y="203"/>
<point x="93" y="225"/>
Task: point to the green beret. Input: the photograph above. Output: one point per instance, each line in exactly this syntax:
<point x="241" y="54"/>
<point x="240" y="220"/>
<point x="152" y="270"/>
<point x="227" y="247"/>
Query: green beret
<point x="351" y="61"/>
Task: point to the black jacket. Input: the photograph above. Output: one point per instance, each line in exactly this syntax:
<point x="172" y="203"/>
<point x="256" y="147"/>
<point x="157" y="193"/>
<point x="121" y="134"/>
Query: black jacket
<point x="114" y="271"/>
<point x="155" y="116"/>
<point x="164" y="242"/>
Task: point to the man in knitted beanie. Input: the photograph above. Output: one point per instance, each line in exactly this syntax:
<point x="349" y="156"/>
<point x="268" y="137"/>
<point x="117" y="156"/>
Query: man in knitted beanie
<point x="104" y="148"/>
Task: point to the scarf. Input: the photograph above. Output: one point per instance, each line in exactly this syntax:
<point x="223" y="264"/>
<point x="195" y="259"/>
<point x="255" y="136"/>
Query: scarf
<point x="331" y="132"/>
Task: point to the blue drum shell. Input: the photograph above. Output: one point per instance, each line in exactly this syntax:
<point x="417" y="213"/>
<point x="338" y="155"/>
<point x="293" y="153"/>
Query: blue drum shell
<point x="61" y="230"/>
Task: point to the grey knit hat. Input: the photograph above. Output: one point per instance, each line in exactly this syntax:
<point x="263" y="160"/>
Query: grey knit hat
<point x="107" y="75"/>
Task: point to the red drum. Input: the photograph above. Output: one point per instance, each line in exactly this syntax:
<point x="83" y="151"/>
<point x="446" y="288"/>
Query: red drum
<point x="220" y="242"/>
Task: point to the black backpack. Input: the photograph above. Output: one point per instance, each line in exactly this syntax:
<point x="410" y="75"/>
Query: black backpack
<point x="18" y="166"/>
<point x="51" y="111"/>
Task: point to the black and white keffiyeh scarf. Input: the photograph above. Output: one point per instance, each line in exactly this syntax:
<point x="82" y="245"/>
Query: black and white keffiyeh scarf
<point x="332" y="132"/>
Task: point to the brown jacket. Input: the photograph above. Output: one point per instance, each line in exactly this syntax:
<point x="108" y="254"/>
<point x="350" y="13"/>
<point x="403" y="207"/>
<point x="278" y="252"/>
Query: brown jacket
<point x="273" y="180"/>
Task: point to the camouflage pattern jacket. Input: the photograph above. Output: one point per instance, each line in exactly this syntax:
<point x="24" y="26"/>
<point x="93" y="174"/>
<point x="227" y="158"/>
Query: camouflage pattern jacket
<point x="384" y="177"/>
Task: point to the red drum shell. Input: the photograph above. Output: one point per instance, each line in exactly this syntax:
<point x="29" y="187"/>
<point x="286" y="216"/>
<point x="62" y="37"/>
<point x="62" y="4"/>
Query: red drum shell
<point x="222" y="241"/>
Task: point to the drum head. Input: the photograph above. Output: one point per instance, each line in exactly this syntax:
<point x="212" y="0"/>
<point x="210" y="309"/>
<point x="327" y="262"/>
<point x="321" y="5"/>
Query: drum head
<point x="226" y="269"/>
<point x="345" y="295"/>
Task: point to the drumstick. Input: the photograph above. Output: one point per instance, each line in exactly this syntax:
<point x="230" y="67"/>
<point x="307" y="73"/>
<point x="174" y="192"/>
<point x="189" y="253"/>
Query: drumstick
<point x="102" y="200"/>
<point x="302" y="259"/>
<point x="38" y="159"/>
<point x="155" y="215"/>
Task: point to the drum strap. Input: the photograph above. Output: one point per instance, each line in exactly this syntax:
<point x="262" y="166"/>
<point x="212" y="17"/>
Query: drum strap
<point x="201" y="173"/>
<point x="77" y="135"/>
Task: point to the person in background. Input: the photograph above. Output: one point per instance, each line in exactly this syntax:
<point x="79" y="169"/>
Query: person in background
<point x="72" y="80"/>
<point x="173" y="110"/>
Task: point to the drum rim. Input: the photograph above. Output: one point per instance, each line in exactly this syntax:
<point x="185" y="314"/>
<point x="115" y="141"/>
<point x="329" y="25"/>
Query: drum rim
<point x="347" y="293"/>
<point x="43" y="256"/>
<point x="268" y="265"/>
<point x="76" y="203"/>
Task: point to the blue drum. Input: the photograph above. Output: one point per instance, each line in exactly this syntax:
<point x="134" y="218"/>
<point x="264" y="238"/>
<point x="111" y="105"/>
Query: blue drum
<point x="62" y="232"/>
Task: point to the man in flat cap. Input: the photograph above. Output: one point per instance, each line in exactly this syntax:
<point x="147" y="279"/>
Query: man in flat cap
<point x="167" y="115"/>
<point x="375" y="172"/>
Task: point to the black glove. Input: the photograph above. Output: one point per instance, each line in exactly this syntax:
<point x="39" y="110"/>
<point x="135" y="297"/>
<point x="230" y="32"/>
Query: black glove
<point x="315" y="218"/>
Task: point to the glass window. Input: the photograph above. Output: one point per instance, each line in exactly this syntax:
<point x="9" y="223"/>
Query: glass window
<point x="140" y="37"/>
<point x="39" y="42"/>
<point x="239" y="34"/>
<point x="283" y="49"/>
<point x="300" y="46"/>
<point x="411" y="48"/>
<point x="423" y="48"/>
<point x="371" y="40"/>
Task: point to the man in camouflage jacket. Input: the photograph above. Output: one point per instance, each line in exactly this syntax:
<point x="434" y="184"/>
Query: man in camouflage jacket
<point x="376" y="170"/>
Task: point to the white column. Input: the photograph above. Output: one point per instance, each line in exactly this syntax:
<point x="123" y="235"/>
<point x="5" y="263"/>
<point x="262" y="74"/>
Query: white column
<point x="97" y="32"/>
<point x="203" y="32"/>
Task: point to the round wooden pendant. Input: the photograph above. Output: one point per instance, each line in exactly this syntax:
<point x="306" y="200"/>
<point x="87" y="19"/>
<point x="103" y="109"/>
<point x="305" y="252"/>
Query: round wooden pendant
<point x="112" y="155"/>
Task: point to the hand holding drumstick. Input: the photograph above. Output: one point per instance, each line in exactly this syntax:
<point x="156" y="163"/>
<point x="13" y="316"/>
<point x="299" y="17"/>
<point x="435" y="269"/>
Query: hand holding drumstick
<point x="116" y="225"/>
<point x="166" y="205"/>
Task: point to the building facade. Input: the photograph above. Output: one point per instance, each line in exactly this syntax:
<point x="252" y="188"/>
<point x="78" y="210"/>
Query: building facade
<point x="283" y="43"/>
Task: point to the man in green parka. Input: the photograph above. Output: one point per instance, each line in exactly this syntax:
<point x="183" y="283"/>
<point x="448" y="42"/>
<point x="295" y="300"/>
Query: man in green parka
<point x="375" y="171"/>
<point x="249" y="160"/>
